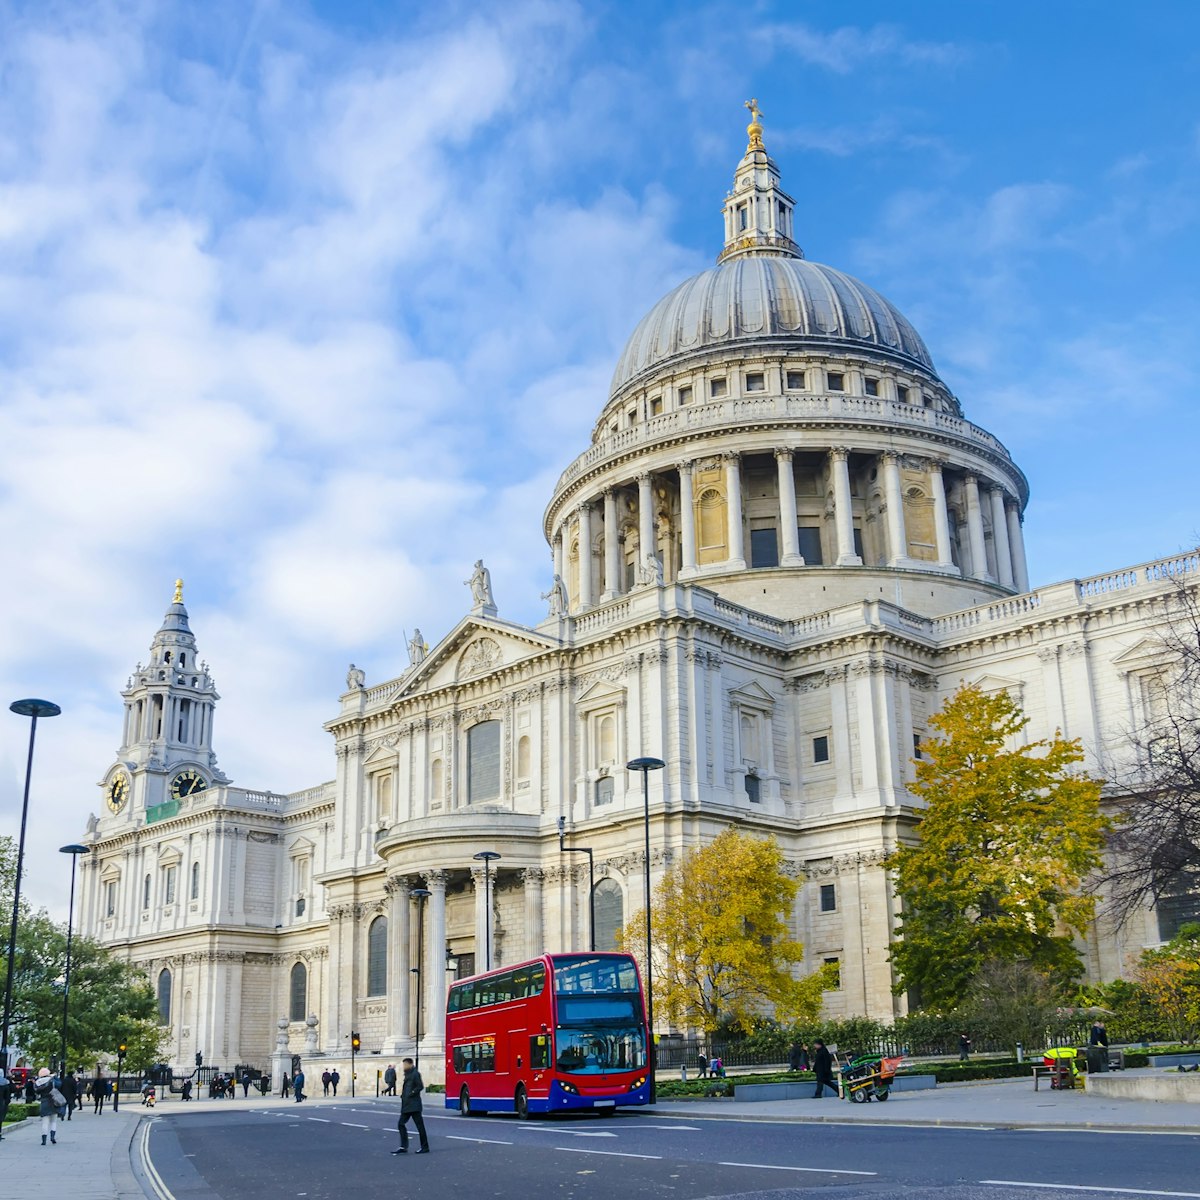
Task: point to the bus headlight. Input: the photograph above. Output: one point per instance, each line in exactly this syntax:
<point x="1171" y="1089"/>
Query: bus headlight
<point x="569" y="1088"/>
<point x="637" y="1083"/>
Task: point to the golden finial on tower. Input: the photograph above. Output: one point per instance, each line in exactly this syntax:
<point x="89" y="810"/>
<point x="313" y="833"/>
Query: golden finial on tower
<point x="754" y="129"/>
<point x="178" y="592"/>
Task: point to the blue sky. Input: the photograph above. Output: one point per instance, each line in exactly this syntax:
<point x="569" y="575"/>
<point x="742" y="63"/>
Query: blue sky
<point x="310" y="304"/>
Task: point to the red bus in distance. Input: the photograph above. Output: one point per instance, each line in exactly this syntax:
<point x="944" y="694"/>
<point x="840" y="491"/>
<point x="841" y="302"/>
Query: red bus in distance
<point x="560" y="1033"/>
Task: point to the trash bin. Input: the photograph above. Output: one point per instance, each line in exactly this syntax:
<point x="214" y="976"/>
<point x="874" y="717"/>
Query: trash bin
<point x="1097" y="1059"/>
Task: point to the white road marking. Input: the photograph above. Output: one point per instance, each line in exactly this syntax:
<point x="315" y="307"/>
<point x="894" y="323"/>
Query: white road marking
<point x="352" y="1125"/>
<point x="607" y="1153"/>
<point x="574" y="1134"/>
<point x="454" y="1137"/>
<point x="321" y="1119"/>
<point x="1086" y="1187"/>
<point x="683" y="1128"/>
<point x="808" y="1170"/>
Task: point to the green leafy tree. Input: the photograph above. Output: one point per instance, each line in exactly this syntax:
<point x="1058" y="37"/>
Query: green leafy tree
<point x="111" y="1001"/>
<point x="1007" y="837"/>
<point x="1169" y="978"/>
<point x="723" y="954"/>
<point x="1012" y="1002"/>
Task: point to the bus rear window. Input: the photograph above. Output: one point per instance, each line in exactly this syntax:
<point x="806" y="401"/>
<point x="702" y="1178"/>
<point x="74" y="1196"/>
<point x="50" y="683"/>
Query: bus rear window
<point x="610" y="973"/>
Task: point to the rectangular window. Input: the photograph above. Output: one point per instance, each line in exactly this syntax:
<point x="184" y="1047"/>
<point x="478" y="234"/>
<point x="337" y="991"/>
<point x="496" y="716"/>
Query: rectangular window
<point x="795" y="381"/>
<point x="829" y="897"/>
<point x="821" y="748"/>
<point x="743" y="216"/>
<point x="655" y="406"/>
<point x="809" y="537"/>
<point x="718" y="387"/>
<point x="685" y="395"/>
<point x="169" y="886"/>
<point x="835" y="381"/>
<point x="756" y="382"/>
<point x="858" y="542"/>
<point x="483" y="762"/>
<point x="870" y="387"/>
<point x="764" y="548"/>
<point x="917" y="745"/>
<point x="110" y="899"/>
<point x="835" y="971"/>
<point x="604" y="790"/>
<point x="632" y="415"/>
<point x="901" y="393"/>
<point x="753" y="789"/>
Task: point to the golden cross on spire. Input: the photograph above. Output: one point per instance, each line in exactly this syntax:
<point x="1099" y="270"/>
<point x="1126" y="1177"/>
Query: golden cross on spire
<point x="178" y="592"/>
<point x="754" y="129"/>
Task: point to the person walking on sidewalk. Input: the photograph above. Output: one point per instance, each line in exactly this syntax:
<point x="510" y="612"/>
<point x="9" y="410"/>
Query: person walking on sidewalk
<point x="823" y="1070"/>
<point x="389" y="1081"/>
<point x="964" y="1047"/>
<point x="325" y="1078"/>
<point x="50" y="1100"/>
<point x="410" y="1108"/>
<point x="101" y="1090"/>
<point x="298" y="1085"/>
<point x="5" y="1098"/>
<point x="70" y="1089"/>
<point x="334" y="1080"/>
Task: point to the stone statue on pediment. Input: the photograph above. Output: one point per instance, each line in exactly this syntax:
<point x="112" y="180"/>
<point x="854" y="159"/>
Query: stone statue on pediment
<point x="480" y="583"/>
<point x="355" y="678"/>
<point x="417" y="649"/>
<point x="557" y="595"/>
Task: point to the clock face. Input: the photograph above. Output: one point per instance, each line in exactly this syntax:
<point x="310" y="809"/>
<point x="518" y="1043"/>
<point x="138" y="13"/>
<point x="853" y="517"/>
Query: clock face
<point x="187" y="783"/>
<point x="118" y="791"/>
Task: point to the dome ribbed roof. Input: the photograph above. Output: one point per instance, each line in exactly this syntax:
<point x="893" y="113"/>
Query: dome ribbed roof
<point x="761" y="298"/>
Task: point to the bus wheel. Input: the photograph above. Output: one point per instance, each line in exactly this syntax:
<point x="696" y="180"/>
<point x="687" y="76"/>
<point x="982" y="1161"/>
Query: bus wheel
<point x="464" y="1103"/>
<point x="520" y="1104"/>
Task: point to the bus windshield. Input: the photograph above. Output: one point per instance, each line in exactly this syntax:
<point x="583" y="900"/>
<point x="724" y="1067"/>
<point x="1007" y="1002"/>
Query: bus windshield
<point x="600" y="1049"/>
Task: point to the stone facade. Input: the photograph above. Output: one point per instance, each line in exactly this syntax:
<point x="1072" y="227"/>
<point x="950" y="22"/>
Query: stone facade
<point x="783" y="550"/>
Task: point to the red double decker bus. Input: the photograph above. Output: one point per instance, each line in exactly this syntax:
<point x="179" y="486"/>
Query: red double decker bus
<point x="560" y="1033"/>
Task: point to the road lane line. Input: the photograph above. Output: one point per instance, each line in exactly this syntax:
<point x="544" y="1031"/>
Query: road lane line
<point x="156" y="1180"/>
<point x="353" y="1125"/>
<point x="809" y="1170"/>
<point x="607" y="1153"/>
<point x="454" y="1137"/>
<point x="321" y="1119"/>
<point x="1087" y="1187"/>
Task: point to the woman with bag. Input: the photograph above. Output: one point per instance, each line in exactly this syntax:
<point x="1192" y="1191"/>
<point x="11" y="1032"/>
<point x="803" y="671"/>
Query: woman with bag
<point x="51" y="1104"/>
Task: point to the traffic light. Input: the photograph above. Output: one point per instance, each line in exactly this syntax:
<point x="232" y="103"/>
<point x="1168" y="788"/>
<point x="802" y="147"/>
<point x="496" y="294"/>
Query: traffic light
<point x="121" y="1050"/>
<point x="199" y="1059"/>
<point x="355" y="1042"/>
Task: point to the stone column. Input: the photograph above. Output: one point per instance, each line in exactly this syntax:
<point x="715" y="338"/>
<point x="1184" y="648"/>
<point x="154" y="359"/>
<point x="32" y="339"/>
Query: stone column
<point x="398" y="962"/>
<point x="433" y="968"/>
<point x="941" y="514"/>
<point x="559" y="556"/>
<point x="979" y="567"/>
<point x="612" y="548"/>
<point x="534" y="939"/>
<point x="1016" y="544"/>
<point x="585" y="556"/>
<point x="482" y="917"/>
<point x="839" y="469"/>
<point x="645" y="518"/>
<point x="733" y="509"/>
<point x="687" y="520"/>
<point x="897" y="537"/>
<point x="790" y="556"/>
<point x="1000" y="538"/>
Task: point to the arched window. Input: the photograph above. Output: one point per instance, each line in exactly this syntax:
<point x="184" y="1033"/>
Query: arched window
<point x="523" y="759"/>
<point x="377" y="957"/>
<point x="610" y="913"/>
<point x="749" y="731"/>
<point x="606" y="739"/>
<point x="437" y="779"/>
<point x="195" y="881"/>
<point x="164" y="997"/>
<point x="146" y="885"/>
<point x="299" y="992"/>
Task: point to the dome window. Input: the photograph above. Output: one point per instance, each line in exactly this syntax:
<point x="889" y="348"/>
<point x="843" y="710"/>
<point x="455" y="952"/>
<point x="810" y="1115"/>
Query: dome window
<point x="656" y="406"/>
<point x="870" y="386"/>
<point x="902" y="394"/>
<point x="685" y="395"/>
<point x="795" y="381"/>
<point x="718" y="387"/>
<point x="756" y="382"/>
<point x="835" y="381"/>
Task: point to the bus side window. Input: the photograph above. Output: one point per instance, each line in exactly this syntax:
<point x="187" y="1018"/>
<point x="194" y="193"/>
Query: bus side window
<point x="539" y="1052"/>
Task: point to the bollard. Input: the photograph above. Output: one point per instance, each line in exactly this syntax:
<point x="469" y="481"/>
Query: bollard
<point x="1020" y="1053"/>
<point x="683" y="1072"/>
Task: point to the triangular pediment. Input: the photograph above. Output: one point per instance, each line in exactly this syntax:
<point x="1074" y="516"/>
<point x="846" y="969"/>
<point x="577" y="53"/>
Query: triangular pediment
<point x="990" y="684"/>
<point x="300" y="847"/>
<point x="1148" y="652"/>
<point x="475" y="648"/>
<point x="752" y="693"/>
<point x="601" y="691"/>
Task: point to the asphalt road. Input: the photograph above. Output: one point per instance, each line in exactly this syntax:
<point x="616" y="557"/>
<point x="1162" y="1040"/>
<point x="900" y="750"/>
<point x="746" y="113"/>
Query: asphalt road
<point x="336" y="1152"/>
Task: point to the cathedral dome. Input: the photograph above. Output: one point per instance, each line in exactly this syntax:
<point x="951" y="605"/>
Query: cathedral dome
<point x="765" y="298"/>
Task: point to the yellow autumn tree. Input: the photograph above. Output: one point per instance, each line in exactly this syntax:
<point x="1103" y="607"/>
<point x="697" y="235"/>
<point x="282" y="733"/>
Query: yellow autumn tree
<point x="1009" y="834"/>
<point x="723" y="955"/>
<point x="1169" y="977"/>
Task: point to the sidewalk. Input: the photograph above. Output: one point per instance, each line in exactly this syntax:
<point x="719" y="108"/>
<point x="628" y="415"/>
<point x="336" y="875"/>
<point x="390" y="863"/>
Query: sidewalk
<point x="97" y="1148"/>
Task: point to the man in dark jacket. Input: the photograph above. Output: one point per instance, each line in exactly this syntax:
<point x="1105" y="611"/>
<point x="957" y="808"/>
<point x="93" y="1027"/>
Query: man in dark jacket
<point x="410" y="1107"/>
<point x="70" y="1090"/>
<point x="823" y="1070"/>
<point x="389" y="1081"/>
<point x="5" y="1096"/>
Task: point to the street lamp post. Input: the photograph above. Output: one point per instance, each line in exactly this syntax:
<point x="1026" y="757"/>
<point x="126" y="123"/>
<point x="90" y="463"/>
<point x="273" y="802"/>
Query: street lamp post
<point x="420" y="895"/>
<point x="646" y="765"/>
<point x="32" y="709"/>
<point x="487" y="857"/>
<point x="565" y="849"/>
<point x="74" y="850"/>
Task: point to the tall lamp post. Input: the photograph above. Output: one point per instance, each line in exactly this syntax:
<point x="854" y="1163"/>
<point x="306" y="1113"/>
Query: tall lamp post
<point x="565" y="849"/>
<point x="74" y="850"/>
<point x="32" y="709"/>
<point x="646" y="765"/>
<point x="487" y="857"/>
<point x="420" y="895"/>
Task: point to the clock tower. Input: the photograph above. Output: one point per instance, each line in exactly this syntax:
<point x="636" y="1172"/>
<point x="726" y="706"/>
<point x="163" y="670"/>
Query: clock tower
<point x="166" y="753"/>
